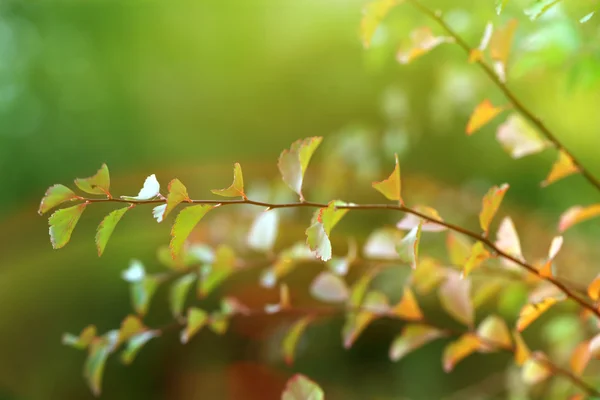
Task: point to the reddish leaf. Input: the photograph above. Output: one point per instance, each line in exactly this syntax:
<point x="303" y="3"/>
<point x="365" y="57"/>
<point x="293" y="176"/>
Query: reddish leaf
<point x="456" y="351"/>
<point x="56" y="195"/>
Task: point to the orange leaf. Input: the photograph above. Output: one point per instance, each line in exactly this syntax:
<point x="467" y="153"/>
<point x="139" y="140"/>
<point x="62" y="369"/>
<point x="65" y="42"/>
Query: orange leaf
<point x="460" y="349"/>
<point x="491" y="203"/>
<point x="531" y="312"/>
<point x="546" y="270"/>
<point x="594" y="289"/>
<point x="577" y="214"/>
<point x="580" y="357"/>
<point x="483" y="113"/>
<point x="522" y="352"/>
<point x="392" y="186"/>
<point x="562" y="168"/>
<point x="407" y="307"/>
<point x="423" y="41"/>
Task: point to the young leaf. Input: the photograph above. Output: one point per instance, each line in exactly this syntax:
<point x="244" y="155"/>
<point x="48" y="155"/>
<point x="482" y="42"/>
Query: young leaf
<point x="263" y="233"/>
<point x="158" y="212"/>
<point x="518" y="138"/>
<point x="555" y="247"/>
<point x="142" y="292"/>
<point x="221" y="269"/>
<point x="408" y="248"/>
<point x="392" y="186"/>
<point x="580" y="357"/>
<point x="93" y="369"/>
<point x="562" y="168"/>
<point x="490" y="204"/>
<point x="423" y="41"/>
<point x="317" y="235"/>
<point x="184" y="224"/>
<point x="483" y="113"/>
<point x="381" y="243"/>
<point x="459" y="248"/>
<point x="178" y="293"/>
<point x="500" y="44"/>
<point x="577" y="214"/>
<point x="291" y="338"/>
<point x="411" y="221"/>
<point x="531" y="312"/>
<point x="150" y="190"/>
<point x="460" y="349"/>
<point x="412" y="337"/>
<point x="97" y="184"/>
<point x="477" y="54"/>
<point x="522" y="352"/>
<point x="82" y="341"/>
<point x="478" y="255"/>
<point x="539" y="8"/>
<point x="196" y="319"/>
<point x="329" y="288"/>
<point x="237" y="187"/>
<point x="455" y="298"/>
<point x="407" y="308"/>
<point x="373" y="13"/>
<point x="594" y="289"/>
<point x="293" y="162"/>
<point x="508" y="241"/>
<point x="131" y="325"/>
<point x="534" y="371"/>
<point x="493" y="329"/>
<point x="135" y="344"/>
<point x="299" y="387"/>
<point x="62" y="223"/>
<point x="55" y="195"/>
<point x="106" y="228"/>
<point x="177" y="194"/>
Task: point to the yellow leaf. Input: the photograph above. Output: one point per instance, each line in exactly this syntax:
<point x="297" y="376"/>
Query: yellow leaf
<point x="483" y="113"/>
<point x="594" y="289"/>
<point x="459" y="248"/>
<point x="130" y="326"/>
<point x="493" y="329"/>
<point x="429" y="274"/>
<point x="460" y="349"/>
<point x="522" y="352"/>
<point x="237" y="187"/>
<point x="531" y="312"/>
<point x="407" y="308"/>
<point x="577" y="214"/>
<point x="500" y="44"/>
<point x="580" y="357"/>
<point x="490" y="204"/>
<point x="373" y="13"/>
<point x="534" y="371"/>
<point x="562" y="168"/>
<point x="478" y="255"/>
<point x="423" y="41"/>
<point x="477" y="54"/>
<point x="392" y="186"/>
<point x="412" y="337"/>
<point x="177" y="194"/>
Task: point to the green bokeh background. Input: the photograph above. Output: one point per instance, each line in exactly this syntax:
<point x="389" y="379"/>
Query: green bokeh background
<point x="186" y="88"/>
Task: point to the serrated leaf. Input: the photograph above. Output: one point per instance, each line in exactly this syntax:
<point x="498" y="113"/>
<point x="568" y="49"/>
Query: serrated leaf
<point x="493" y="329"/>
<point x="478" y="255"/>
<point x="62" y="223"/>
<point x="93" y="369"/>
<point x="82" y="341"/>
<point x="522" y="352"/>
<point x="237" y="187"/>
<point x="106" y="228"/>
<point x="372" y="14"/>
<point x="97" y="184"/>
<point x="576" y="215"/>
<point x="392" y="186"/>
<point x="329" y="288"/>
<point x="135" y="344"/>
<point x="483" y="113"/>
<point x="458" y="350"/>
<point x="196" y="320"/>
<point x="459" y="248"/>
<point x="539" y="8"/>
<point x="177" y="194"/>
<point x="221" y="269"/>
<point x="422" y="41"/>
<point x="500" y="45"/>
<point x="562" y="168"/>
<point x="263" y="233"/>
<point x="530" y="312"/>
<point x="580" y="357"/>
<point x="55" y="195"/>
<point x="381" y="243"/>
<point x="508" y="241"/>
<point x="411" y="221"/>
<point x="178" y="293"/>
<point x="142" y="292"/>
<point x="412" y="337"/>
<point x="299" y="387"/>
<point x="534" y="371"/>
<point x="490" y="204"/>
<point x="477" y="54"/>
<point x="594" y="289"/>
<point x="408" y="247"/>
<point x="518" y="138"/>
<point x="291" y="338"/>
<point x="455" y="298"/>
<point x="293" y="162"/>
<point x="407" y="308"/>
<point x="374" y="305"/>
<point x="186" y="221"/>
<point x="150" y="190"/>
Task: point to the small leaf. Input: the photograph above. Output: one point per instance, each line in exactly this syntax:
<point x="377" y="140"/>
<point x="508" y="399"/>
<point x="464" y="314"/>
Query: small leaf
<point x="508" y="241"/>
<point x="539" y="8"/>
<point x="555" y="247"/>
<point x="422" y="41"/>
<point x="500" y="44"/>
<point x="577" y="214"/>
<point x="150" y="190"/>
<point x="237" y="187"/>
<point x="392" y="186"/>
<point x="374" y="305"/>
<point x="97" y="184"/>
<point x="131" y="325"/>
<point x="534" y="371"/>
<point x="299" y="387"/>
<point x="56" y="195"/>
<point x="429" y="274"/>
<point x="562" y="168"/>
<point x="106" y="228"/>
<point x="412" y="337"/>
<point x="500" y="6"/>
<point x="493" y="329"/>
<point x="221" y="269"/>
<point x="373" y="13"/>
<point x="411" y="221"/>
<point x="459" y="248"/>
<point x="177" y="194"/>
<point x="483" y="113"/>
<point x="263" y="233"/>
<point x="62" y="223"/>
<point x="594" y="289"/>
<point x="408" y="248"/>
<point x="317" y="235"/>
<point x="293" y="162"/>
<point x="455" y="298"/>
<point x="142" y="292"/>
<point x="522" y="352"/>
<point x="594" y="346"/>
<point x="184" y="224"/>
<point x="586" y="17"/>
<point x="381" y="243"/>
<point x="478" y="255"/>
<point x="531" y="312"/>
<point x="178" y="293"/>
<point x="490" y="204"/>
<point x="291" y="338"/>
<point x="158" y="212"/>
<point x="407" y="308"/>
<point x="580" y="357"/>
<point x="135" y="344"/>
<point x="82" y="341"/>
<point x="93" y="369"/>
<point x="359" y="288"/>
<point x="460" y="349"/>
<point x="518" y="138"/>
<point x="477" y="54"/>
<point x="329" y="288"/>
<point x="196" y="319"/>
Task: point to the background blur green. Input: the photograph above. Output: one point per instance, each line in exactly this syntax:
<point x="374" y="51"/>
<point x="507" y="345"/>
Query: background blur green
<point x="186" y="88"/>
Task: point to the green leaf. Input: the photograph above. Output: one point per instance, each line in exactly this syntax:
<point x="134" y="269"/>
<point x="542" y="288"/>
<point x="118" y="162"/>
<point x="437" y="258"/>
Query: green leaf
<point x="539" y="8"/>
<point x="263" y="233"/>
<point x="373" y="13"/>
<point x="219" y="322"/>
<point x="184" y="224"/>
<point x="82" y="341"/>
<point x="55" y="195"/>
<point x="142" y="292"/>
<point x="131" y="325"/>
<point x="299" y="387"/>
<point x="177" y="194"/>
<point x="291" y="338"/>
<point x="178" y="293"/>
<point x="293" y="162"/>
<point x="455" y="298"/>
<point x="329" y="288"/>
<point x="359" y="288"/>
<point x="221" y="269"/>
<point x="93" y="369"/>
<point x="392" y="186"/>
<point x="196" y="319"/>
<point x="324" y="220"/>
<point x="62" y="223"/>
<point x="412" y="337"/>
<point x="478" y="255"/>
<point x="150" y="190"/>
<point x="97" y="184"/>
<point x="237" y="187"/>
<point x="500" y="6"/>
<point x="134" y="345"/>
<point x="408" y="248"/>
<point x="106" y="228"/>
<point x="586" y="17"/>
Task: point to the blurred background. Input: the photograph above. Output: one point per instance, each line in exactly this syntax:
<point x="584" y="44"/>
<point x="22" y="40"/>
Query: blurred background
<point x="185" y="89"/>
